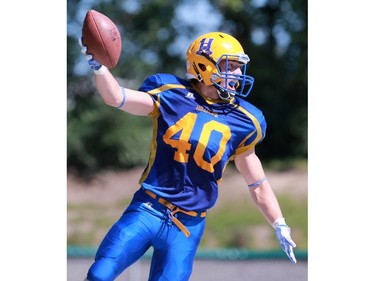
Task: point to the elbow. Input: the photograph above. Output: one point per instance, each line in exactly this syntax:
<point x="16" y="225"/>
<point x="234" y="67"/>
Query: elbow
<point x="110" y="102"/>
<point x="255" y="194"/>
<point x="113" y="100"/>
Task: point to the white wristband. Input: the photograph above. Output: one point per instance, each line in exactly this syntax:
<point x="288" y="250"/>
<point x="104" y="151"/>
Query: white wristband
<point x="279" y="221"/>
<point x="101" y="70"/>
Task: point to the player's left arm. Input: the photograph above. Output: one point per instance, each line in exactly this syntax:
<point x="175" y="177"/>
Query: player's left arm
<point x="252" y="171"/>
<point x="261" y="191"/>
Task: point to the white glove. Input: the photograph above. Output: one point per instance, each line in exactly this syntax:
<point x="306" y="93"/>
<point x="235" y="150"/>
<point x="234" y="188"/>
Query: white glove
<point x="283" y="234"/>
<point x="94" y="65"/>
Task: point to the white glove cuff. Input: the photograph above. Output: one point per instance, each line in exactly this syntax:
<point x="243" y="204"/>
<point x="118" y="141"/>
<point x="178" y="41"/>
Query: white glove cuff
<point x="279" y="221"/>
<point x="101" y="70"/>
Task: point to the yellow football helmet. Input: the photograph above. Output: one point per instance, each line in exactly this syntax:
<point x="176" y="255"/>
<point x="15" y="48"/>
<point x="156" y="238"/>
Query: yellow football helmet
<point x="202" y="63"/>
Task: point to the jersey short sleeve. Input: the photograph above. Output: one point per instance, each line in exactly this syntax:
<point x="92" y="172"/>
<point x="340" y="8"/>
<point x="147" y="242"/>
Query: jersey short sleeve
<point x="257" y="127"/>
<point x="157" y="84"/>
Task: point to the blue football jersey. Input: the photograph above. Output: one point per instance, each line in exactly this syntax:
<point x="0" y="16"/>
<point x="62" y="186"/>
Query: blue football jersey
<point x="193" y="140"/>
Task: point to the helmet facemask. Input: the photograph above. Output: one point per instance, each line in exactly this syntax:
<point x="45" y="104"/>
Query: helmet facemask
<point x="241" y="83"/>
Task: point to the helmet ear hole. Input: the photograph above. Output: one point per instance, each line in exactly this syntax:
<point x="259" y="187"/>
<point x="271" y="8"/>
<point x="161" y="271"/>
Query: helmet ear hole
<point x="202" y="66"/>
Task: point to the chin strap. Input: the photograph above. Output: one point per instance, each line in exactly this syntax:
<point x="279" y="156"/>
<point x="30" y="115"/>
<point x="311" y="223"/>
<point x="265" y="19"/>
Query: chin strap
<point x="224" y="95"/>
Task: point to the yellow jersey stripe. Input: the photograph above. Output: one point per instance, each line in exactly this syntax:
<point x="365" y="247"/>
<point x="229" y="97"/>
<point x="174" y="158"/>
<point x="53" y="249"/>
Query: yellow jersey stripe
<point x="241" y="148"/>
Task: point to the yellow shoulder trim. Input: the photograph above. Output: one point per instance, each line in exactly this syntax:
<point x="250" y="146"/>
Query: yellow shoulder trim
<point x="166" y="87"/>
<point x="241" y="148"/>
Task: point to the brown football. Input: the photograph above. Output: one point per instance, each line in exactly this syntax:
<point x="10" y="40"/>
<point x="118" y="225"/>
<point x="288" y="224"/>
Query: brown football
<point x="102" y="38"/>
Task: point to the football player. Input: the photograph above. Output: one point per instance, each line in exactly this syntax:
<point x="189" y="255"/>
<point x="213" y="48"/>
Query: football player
<point x="199" y="124"/>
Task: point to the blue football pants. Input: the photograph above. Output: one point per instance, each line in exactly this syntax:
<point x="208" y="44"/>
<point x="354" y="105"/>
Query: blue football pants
<point x="144" y="224"/>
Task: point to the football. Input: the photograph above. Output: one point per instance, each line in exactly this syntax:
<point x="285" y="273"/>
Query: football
<point x="102" y="38"/>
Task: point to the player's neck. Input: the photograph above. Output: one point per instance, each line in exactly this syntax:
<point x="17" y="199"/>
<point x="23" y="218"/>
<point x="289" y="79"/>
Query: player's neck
<point x="209" y="92"/>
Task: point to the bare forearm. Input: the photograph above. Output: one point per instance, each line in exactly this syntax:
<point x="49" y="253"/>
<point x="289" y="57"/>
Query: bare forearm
<point x="252" y="171"/>
<point x="108" y="88"/>
<point x="131" y="101"/>
<point x="266" y="202"/>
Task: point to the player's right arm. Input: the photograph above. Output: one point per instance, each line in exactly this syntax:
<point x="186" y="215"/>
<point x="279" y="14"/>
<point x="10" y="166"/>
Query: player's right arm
<point x="131" y="101"/>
